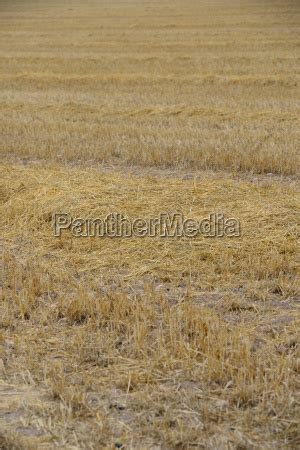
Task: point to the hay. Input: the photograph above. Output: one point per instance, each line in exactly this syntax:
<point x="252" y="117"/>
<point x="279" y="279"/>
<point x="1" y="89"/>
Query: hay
<point x="142" y="108"/>
<point x="149" y="316"/>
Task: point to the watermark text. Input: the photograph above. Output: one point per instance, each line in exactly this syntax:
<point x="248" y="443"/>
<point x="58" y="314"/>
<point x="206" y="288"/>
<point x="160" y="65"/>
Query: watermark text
<point x="116" y="225"/>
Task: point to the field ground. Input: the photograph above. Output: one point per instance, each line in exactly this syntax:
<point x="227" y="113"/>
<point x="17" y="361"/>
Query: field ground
<point x="142" y="107"/>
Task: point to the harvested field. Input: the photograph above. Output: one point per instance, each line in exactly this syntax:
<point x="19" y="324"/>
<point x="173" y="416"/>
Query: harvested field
<point x="143" y="108"/>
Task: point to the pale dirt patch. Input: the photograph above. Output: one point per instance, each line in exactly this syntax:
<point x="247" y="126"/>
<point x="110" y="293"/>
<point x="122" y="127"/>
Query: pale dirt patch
<point x="17" y="423"/>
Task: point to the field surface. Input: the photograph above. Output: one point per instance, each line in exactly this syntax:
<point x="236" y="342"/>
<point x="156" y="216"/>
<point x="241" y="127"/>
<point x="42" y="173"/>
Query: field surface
<point x="139" y="108"/>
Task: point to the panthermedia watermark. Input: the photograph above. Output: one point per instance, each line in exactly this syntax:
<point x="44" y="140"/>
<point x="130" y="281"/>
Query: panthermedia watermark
<point x="116" y="225"/>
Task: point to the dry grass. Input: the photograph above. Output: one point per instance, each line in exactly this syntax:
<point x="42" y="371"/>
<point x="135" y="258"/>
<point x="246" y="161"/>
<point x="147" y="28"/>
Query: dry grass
<point x="149" y="342"/>
<point x="179" y="342"/>
<point x="199" y="85"/>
